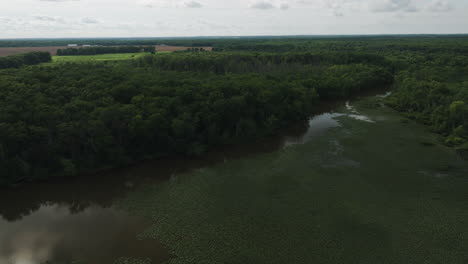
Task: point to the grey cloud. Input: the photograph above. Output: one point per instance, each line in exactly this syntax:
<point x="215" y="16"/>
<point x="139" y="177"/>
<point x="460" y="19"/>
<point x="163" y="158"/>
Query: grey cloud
<point x="284" y="6"/>
<point x="170" y="4"/>
<point x="193" y="4"/>
<point x="44" y="18"/>
<point x="87" y="20"/>
<point x="62" y="21"/>
<point x="392" y="6"/>
<point x="338" y="13"/>
<point x="336" y="7"/>
<point x="262" y="5"/>
<point x="156" y="3"/>
<point x="212" y="25"/>
<point x="49" y="19"/>
<point x="411" y="9"/>
<point x="267" y="5"/>
<point x="47" y="23"/>
<point x="58" y="0"/>
<point x="439" y="6"/>
<point x="35" y="24"/>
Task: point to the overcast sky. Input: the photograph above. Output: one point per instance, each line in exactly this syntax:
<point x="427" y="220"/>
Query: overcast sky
<point x="162" y="18"/>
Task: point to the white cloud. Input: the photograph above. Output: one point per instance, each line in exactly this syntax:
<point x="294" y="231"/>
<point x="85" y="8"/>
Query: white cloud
<point x="74" y="18"/>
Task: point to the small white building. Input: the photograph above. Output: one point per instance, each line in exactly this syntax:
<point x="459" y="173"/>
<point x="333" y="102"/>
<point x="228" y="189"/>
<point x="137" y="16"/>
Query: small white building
<point x="72" y="45"/>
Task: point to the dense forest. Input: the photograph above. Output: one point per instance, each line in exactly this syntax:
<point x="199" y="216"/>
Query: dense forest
<point x="67" y="119"/>
<point x="269" y="43"/>
<point x="104" y="50"/>
<point x="432" y="88"/>
<point x="31" y="58"/>
<point x="438" y="100"/>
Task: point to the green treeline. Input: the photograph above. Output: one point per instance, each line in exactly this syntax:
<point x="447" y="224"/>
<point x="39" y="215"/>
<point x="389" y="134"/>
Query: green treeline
<point x="31" y="58"/>
<point x="333" y="75"/>
<point x="271" y="43"/>
<point x="104" y="50"/>
<point x="434" y="91"/>
<point x="77" y="117"/>
<point x="244" y="62"/>
<point x="191" y="50"/>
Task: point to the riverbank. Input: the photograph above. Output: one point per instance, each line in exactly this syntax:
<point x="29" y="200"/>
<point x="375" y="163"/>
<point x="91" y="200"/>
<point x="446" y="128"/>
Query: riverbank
<point x="361" y="183"/>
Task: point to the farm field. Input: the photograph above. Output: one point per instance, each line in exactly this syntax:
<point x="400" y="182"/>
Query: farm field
<point x="19" y="50"/>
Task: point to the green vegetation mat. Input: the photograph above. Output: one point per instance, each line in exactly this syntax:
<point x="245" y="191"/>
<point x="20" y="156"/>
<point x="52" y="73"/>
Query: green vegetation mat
<point x="362" y="193"/>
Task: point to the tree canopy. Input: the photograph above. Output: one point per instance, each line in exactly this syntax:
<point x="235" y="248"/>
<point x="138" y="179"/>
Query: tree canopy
<point x="62" y="120"/>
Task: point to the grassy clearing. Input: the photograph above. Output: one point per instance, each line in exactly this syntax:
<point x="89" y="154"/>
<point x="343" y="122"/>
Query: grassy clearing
<point x="362" y="193"/>
<point x="102" y="57"/>
<point x="99" y="58"/>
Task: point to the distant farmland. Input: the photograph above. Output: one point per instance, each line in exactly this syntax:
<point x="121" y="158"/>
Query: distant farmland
<point x="53" y="50"/>
<point x="19" y="50"/>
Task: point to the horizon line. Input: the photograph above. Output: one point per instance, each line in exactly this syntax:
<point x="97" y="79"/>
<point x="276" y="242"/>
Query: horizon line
<point x="246" y="36"/>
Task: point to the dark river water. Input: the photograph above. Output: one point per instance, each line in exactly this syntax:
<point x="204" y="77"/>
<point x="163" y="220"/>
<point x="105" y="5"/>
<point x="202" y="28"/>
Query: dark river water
<point x="77" y="219"/>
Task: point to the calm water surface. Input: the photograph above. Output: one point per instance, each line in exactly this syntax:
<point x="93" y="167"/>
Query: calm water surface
<point x="76" y="219"/>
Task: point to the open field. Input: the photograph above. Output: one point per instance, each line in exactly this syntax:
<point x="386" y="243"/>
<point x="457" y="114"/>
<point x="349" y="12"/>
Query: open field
<point x="102" y="57"/>
<point x="53" y="49"/>
<point x="19" y="50"/>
